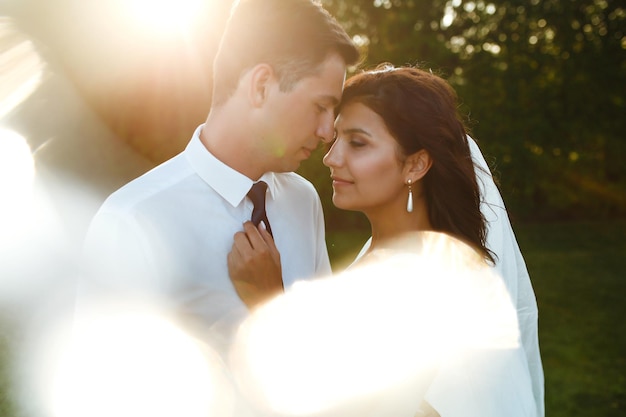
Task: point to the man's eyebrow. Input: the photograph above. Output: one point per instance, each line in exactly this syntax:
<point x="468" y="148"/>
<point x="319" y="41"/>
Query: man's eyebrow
<point x="332" y="100"/>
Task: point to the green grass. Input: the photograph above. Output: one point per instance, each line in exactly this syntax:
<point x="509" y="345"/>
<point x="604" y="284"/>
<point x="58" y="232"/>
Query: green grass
<point x="577" y="270"/>
<point x="344" y="246"/>
<point x="7" y="404"/>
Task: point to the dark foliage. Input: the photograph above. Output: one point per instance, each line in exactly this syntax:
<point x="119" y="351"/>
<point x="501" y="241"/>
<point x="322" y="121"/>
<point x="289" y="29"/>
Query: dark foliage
<point x="542" y="82"/>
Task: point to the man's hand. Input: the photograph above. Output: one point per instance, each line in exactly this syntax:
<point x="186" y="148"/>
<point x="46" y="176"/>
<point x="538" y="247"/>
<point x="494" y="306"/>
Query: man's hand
<point x="254" y="265"/>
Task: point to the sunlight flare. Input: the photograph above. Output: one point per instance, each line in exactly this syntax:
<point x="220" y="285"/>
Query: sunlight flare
<point x="17" y="173"/>
<point x="20" y="65"/>
<point x="163" y="16"/>
<point x="377" y="333"/>
<point x="132" y="364"/>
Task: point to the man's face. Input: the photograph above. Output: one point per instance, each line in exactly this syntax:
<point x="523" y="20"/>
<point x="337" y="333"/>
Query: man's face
<point x="297" y="120"/>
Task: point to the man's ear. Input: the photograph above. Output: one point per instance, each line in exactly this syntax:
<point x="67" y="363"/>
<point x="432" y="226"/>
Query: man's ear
<point x="259" y="80"/>
<point x="417" y="165"/>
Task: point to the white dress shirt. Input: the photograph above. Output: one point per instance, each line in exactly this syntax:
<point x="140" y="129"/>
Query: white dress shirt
<point x="167" y="234"/>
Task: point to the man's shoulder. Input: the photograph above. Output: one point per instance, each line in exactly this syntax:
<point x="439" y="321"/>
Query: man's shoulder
<point x="159" y="180"/>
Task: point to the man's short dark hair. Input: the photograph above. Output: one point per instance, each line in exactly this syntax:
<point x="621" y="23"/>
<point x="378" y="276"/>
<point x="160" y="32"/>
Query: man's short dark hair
<point x="293" y="36"/>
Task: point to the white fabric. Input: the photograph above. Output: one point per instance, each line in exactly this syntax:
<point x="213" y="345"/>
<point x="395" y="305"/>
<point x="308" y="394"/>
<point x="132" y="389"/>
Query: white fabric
<point x="167" y="235"/>
<point x="424" y="302"/>
<point x="484" y="382"/>
<point x="512" y="268"/>
<point x="456" y="393"/>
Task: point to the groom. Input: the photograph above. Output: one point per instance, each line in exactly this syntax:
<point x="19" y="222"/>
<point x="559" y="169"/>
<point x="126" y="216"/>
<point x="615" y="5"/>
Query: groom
<point x="164" y="237"/>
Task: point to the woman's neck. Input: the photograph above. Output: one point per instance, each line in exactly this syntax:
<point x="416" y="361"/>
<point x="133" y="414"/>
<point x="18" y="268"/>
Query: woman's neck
<point x="389" y="225"/>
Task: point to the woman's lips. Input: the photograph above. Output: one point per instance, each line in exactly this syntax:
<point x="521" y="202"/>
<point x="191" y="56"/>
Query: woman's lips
<point x="340" y="181"/>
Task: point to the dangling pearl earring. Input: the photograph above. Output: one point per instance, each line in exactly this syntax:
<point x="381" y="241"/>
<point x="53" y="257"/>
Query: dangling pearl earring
<point x="409" y="203"/>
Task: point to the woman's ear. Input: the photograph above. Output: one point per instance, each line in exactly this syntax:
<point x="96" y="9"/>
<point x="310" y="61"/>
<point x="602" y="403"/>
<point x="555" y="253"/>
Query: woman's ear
<point x="417" y="165"/>
<point x="258" y="83"/>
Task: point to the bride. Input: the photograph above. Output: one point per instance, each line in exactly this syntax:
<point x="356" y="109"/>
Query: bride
<point x="402" y="156"/>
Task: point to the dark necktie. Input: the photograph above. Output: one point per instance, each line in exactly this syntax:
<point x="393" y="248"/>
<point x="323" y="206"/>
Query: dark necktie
<point x="257" y="195"/>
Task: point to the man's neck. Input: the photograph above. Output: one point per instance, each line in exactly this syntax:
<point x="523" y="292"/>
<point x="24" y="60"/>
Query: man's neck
<point x="229" y="142"/>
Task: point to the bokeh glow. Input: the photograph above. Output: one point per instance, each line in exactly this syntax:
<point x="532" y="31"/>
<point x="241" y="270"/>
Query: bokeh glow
<point x="131" y="364"/>
<point x="343" y="344"/>
<point x="17" y="173"/>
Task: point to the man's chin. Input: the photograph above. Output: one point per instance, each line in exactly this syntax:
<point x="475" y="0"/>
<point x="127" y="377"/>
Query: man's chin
<point x="284" y="168"/>
<point x="291" y="166"/>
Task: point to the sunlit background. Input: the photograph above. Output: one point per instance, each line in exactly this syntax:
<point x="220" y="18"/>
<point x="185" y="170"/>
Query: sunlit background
<point x="162" y="18"/>
<point x="84" y="88"/>
<point x="143" y="66"/>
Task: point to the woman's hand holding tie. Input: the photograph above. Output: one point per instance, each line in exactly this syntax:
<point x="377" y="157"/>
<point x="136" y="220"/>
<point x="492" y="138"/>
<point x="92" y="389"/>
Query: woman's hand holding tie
<point x="254" y="265"/>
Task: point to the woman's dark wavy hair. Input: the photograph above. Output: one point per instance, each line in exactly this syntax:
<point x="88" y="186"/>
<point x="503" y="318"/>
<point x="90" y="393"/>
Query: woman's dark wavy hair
<point x="420" y="110"/>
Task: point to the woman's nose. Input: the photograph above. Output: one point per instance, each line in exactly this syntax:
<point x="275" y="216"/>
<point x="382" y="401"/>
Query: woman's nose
<point x="331" y="159"/>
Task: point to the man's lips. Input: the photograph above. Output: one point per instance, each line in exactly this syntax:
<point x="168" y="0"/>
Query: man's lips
<point x="307" y="152"/>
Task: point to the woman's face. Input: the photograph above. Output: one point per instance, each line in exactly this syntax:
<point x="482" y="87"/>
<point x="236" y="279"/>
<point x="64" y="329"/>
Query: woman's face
<point x="365" y="163"/>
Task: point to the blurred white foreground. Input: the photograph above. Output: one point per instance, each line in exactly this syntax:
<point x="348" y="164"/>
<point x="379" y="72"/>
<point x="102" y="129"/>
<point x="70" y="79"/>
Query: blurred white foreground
<point x="372" y="341"/>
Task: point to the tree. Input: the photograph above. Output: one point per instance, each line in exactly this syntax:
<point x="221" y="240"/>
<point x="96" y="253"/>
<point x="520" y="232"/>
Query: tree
<point x="543" y="82"/>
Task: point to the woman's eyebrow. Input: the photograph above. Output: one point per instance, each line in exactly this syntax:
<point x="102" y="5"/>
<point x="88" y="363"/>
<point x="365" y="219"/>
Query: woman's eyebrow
<point x="355" y="130"/>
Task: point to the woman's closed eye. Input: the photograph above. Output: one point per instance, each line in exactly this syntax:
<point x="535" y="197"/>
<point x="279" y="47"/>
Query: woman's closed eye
<point x="355" y="137"/>
<point x="356" y="142"/>
<point x="351" y="141"/>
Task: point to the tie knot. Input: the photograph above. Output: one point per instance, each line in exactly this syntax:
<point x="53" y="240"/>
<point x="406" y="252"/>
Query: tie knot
<point x="257" y="194"/>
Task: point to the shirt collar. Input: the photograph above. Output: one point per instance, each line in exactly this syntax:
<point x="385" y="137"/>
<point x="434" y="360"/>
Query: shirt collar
<point x="232" y="185"/>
